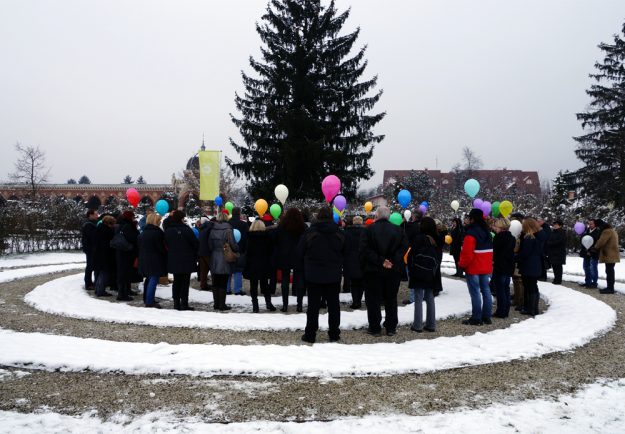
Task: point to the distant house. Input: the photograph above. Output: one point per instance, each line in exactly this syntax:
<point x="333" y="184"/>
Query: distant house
<point x="518" y="181"/>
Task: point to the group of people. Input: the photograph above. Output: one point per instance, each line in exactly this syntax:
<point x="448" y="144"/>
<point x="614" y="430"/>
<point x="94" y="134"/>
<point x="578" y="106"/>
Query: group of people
<point x="317" y="256"/>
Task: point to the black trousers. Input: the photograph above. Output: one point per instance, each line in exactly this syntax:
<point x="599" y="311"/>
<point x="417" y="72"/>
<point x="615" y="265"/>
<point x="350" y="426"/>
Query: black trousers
<point x="531" y="295"/>
<point x="180" y="287"/>
<point x="89" y="271"/>
<point x="357" y="290"/>
<point x="329" y="291"/>
<point x="609" y="275"/>
<point x="557" y="273"/>
<point x="264" y="287"/>
<point x="382" y="287"/>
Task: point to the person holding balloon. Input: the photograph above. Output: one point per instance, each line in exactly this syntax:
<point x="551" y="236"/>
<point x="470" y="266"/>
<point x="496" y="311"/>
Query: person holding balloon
<point x="235" y="281"/>
<point x="125" y="259"/>
<point x="286" y="238"/>
<point x="221" y="238"/>
<point x="590" y="256"/>
<point x="476" y="259"/>
<point x="182" y="256"/>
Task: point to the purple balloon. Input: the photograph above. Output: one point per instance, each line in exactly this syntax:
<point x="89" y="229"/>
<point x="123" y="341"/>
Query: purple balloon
<point x="580" y="228"/>
<point x="477" y="203"/>
<point x="486" y="207"/>
<point x="340" y="202"/>
<point x="423" y="209"/>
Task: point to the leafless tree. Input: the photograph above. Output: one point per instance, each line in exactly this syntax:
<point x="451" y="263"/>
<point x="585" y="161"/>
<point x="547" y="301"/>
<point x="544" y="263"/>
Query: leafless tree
<point x="30" y="167"/>
<point x="470" y="160"/>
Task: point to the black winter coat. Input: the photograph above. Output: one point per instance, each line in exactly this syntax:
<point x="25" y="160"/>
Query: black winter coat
<point x="152" y="252"/>
<point x="126" y="270"/>
<point x="236" y="223"/>
<point x="583" y="252"/>
<point x="352" y="268"/>
<point x="457" y="236"/>
<point x="418" y="244"/>
<point x="556" y="247"/>
<point x="382" y="240"/>
<point x="258" y="257"/>
<point x="104" y="254"/>
<point x="285" y="249"/>
<point x="182" y="247"/>
<point x="503" y="253"/>
<point x="322" y="249"/>
<point x="88" y="236"/>
<point x="205" y="231"/>
<point x="530" y="257"/>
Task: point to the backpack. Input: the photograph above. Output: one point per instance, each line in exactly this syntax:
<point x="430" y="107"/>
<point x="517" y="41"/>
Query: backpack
<point x="424" y="262"/>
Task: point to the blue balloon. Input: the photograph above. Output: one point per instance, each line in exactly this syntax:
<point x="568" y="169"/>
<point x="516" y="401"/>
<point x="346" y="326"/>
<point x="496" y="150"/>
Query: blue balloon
<point x="162" y="207"/>
<point x="237" y="235"/>
<point x="472" y="187"/>
<point x="404" y="197"/>
<point x="425" y="204"/>
<point x="196" y="231"/>
<point x="218" y="201"/>
<point x="336" y="218"/>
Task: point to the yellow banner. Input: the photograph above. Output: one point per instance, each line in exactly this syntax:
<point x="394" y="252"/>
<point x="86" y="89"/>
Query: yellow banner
<point x="209" y="174"/>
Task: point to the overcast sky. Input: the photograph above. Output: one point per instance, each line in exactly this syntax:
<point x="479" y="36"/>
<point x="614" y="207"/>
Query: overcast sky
<point x="118" y="87"/>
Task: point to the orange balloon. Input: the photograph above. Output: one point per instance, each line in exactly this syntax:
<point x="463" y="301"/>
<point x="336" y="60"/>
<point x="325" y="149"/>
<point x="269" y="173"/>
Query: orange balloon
<point x="261" y="206"/>
<point x="368" y="206"/>
<point x="448" y="239"/>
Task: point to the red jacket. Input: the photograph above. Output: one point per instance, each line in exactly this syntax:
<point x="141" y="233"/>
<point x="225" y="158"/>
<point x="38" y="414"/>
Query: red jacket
<point x="476" y="256"/>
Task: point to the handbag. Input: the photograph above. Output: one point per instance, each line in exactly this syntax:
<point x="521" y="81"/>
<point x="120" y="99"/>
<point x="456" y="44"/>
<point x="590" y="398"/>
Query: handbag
<point x="229" y="255"/>
<point x="119" y="242"/>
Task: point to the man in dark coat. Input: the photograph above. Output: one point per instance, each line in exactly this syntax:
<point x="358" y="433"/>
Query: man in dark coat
<point x="382" y="249"/>
<point x="182" y="247"/>
<point x="204" y="253"/>
<point x="322" y="249"/>
<point x="591" y="257"/>
<point x="88" y="246"/>
<point x="546" y="263"/>
<point x="352" y="271"/>
<point x="125" y="260"/>
<point x="104" y="256"/>
<point x="556" y="250"/>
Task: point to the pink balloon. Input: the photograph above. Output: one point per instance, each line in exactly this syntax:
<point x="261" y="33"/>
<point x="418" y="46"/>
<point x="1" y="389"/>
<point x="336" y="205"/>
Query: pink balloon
<point x="486" y="207"/>
<point x="330" y="186"/>
<point x="340" y="202"/>
<point x="477" y="203"/>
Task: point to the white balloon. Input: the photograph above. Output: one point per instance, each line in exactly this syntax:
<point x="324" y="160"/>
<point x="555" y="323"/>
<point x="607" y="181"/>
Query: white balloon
<point x="407" y="215"/>
<point x="281" y="193"/>
<point x="516" y="228"/>
<point x="455" y="205"/>
<point x="587" y="241"/>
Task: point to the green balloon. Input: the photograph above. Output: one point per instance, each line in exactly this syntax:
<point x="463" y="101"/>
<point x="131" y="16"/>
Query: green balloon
<point x="229" y="206"/>
<point x="495" y="209"/>
<point x="396" y="218"/>
<point x="275" y="211"/>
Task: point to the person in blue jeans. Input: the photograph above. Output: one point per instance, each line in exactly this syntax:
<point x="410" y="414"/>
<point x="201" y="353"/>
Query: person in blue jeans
<point x="152" y="257"/>
<point x="503" y="265"/>
<point x="591" y="257"/>
<point x="476" y="259"/>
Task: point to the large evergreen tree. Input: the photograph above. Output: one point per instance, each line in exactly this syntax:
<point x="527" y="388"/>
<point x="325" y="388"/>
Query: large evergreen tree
<point x="307" y="112"/>
<point x="602" y="148"/>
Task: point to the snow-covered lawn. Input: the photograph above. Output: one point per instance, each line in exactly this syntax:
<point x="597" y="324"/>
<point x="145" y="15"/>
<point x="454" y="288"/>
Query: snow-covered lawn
<point x="66" y="297"/>
<point x="597" y="408"/>
<point x="550" y="332"/>
<point x="9" y="275"/>
<point x="38" y="259"/>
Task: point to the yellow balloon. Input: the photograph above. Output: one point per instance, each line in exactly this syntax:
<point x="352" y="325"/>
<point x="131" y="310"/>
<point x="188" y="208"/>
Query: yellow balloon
<point x="448" y="239"/>
<point x="368" y="206"/>
<point x="261" y="206"/>
<point x="505" y="208"/>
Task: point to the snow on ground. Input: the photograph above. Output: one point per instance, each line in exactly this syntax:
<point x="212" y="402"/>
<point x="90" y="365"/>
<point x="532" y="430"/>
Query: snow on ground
<point x="597" y="408"/>
<point x="38" y="259"/>
<point x="21" y="273"/>
<point x="550" y="332"/>
<point x="66" y="297"/>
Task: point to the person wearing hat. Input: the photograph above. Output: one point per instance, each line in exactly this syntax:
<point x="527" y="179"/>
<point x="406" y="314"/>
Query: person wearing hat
<point x="556" y="250"/>
<point x="476" y="259"/>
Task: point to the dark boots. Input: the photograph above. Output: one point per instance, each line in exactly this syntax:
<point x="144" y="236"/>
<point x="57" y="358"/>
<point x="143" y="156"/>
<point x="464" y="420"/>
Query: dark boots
<point x="255" y="305"/>
<point x="177" y="303"/>
<point x="285" y="301"/>
<point x="269" y="304"/>
<point x="184" y="304"/>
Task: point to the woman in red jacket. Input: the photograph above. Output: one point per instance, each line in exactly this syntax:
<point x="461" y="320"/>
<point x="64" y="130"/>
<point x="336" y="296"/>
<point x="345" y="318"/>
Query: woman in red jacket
<point x="476" y="259"/>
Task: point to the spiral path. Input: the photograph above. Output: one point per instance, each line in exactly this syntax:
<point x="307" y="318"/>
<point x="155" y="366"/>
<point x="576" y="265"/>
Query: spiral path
<point x="118" y="368"/>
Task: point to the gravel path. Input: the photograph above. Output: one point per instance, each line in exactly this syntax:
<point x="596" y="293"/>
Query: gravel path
<point x="230" y="398"/>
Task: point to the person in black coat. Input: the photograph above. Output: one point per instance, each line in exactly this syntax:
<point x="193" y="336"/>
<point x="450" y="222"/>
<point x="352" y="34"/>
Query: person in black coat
<point x="125" y="260"/>
<point x="204" y="253"/>
<point x="530" y="261"/>
<point x="152" y="257"/>
<point x="321" y="250"/>
<point x="236" y="278"/>
<point x="381" y="252"/>
<point x="457" y="235"/>
<point x="287" y="236"/>
<point x="352" y="271"/>
<point x="423" y="281"/>
<point x="546" y="262"/>
<point x="182" y="247"/>
<point x="258" y="265"/>
<point x="503" y="265"/>
<point x="88" y="246"/>
<point x="556" y="250"/>
<point x="104" y="255"/>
